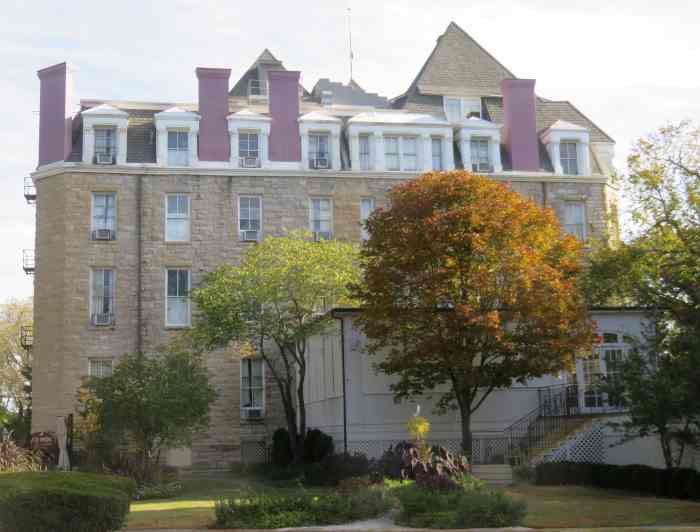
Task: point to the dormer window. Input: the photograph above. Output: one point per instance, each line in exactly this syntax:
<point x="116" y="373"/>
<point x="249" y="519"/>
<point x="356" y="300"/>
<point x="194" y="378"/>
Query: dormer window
<point x="481" y="161"/>
<point x="365" y="153"/>
<point x="569" y="158"/>
<point x="319" y="154"/>
<point x="457" y="109"/>
<point x="178" y="148"/>
<point x="249" y="132"/>
<point x="453" y="109"/>
<point x="327" y="98"/>
<point x="249" y="149"/>
<point x="105" y="145"/>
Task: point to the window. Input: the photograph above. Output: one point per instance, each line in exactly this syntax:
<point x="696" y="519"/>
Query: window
<point x="104" y="216"/>
<point x="409" y="156"/>
<point x="102" y="298"/>
<point x="453" y="109"/>
<point x="365" y="155"/>
<point x="100" y="367"/>
<point x="321" y="218"/>
<point x="318" y="151"/>
<point x="569" y="159"/>
<point x="592" y="395"/>
<point x="613" y="367"/>
<point x="252" y="388"/>
<point x="327" y="98"/>
<point x="366" y="208"/>
<point x="391" y="153"/>
<point x="177" y="148"/>
<point x="105" y="145"/>
<point x="177" y="222"/>
<point x="436" y="150"/>
<point x="480" y="155"/>
<point x="178" y="306"/>
<point x="249" y="149"/>
<point x="249" y="218"/>
<point x="575" y="219"/>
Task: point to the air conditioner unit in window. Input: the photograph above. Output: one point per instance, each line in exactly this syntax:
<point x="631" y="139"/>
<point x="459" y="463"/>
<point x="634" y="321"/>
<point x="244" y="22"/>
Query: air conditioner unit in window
<point x="104" y="158"/>
<point x="249" y="236"/>
<point x="103" y="234"/>
<point x="249" y="162"/>
<point x="102" y="318"/>
<point x="481" y="167"/>
<point x="322" y="235"/>
<point x="320" y="163"/>
<point x="252" y="413"/>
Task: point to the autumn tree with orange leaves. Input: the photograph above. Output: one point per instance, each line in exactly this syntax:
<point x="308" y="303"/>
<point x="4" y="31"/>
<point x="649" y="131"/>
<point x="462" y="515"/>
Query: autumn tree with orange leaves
<point x="469" y="284"/>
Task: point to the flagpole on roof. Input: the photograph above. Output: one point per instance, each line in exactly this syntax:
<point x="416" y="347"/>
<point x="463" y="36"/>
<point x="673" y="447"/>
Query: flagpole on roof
<point x="350" y="39"/>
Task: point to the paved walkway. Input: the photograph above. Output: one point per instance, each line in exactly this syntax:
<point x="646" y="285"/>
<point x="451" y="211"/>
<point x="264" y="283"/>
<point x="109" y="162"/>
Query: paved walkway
<point x="385" y="523"/>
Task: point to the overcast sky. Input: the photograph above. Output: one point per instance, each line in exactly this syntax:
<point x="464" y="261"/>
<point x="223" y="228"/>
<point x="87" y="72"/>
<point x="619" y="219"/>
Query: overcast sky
<point x="630" y="65"/>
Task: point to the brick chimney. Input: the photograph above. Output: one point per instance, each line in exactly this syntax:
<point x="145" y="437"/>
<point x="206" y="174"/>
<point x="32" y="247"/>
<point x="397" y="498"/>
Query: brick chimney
<point x="285" y="144"/>
<point x="214" y="142"/>
<point x="55" y="113"/>
<point x="519" y="127"/>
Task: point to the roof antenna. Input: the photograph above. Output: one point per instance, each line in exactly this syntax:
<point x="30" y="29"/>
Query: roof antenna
<point x="352" y="56"/>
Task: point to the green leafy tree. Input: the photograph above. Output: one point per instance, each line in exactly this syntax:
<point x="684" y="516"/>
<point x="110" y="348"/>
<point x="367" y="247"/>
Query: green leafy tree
<point x="153" y="402"/>
<point x="658" y="267"/>
<point x="271" y="304"/>
<point x="469" y="284"/>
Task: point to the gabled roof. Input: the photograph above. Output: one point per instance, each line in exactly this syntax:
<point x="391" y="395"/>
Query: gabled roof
<point x="104" y="110"/>
<point x="460" y="66"/>
<point x="317" y="116"/>
<point x="247" y="114"/>
<point x="562" y="125"/>
<point x="266" y="57"/>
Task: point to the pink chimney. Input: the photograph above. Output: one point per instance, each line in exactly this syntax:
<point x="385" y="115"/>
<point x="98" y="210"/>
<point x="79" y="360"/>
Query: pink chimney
<point x="213" y="108"/>
<point x="55" y="113"/>
<point x="519" y="124"/>
<point x="285" y="144"/>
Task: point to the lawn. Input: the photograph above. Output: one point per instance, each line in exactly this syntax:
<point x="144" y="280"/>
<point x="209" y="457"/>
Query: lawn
<point x="548" y="506"/>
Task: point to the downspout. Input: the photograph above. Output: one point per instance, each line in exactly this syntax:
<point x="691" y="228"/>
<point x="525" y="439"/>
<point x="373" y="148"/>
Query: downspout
<point x="345" y="403"/>
<point x="139" y="254"/>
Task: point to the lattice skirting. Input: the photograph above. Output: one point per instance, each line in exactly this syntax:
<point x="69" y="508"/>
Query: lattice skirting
<point x="585" y="446"/>
<point x="255" y="452"/>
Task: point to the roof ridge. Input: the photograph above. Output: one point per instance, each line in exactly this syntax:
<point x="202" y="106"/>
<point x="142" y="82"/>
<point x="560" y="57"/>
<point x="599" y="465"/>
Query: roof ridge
<point x="458" y="27"/>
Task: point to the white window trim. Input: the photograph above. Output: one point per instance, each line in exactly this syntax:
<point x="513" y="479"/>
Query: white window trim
<point x="582" y="203"/>
<point x="238" y="214"/>
<point x="104" y="116"/>
<point x="464" y="103"/>
<point x="477" y="127"/>
<point x="176" y="119"/>
<point x="91" y="295"/>
<point x="311" y="213"/>
<point x="92" y="211"/>
<point x="264" y="387"/>
<point x="364" y="235"/>
<point x="246" y="121"/>
<point x="189" y="297"/>
<point x="189" y="216"/>
<point x="316" y="122"/>
<point x="554" y="136"/>
<point x="99" y="359"/>
<point x="167" y="140"/>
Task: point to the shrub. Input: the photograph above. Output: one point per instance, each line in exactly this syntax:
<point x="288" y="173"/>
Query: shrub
<point x="675" y="483"/>
<point x="63" y="502"/>
<point x="281" y="448"/>
<point x="391" y="464"/>
<point x="336" y="467"/>
<point x="461" y="508"/>
<point x="159" y="491"/>
<point x="15" y="459"/>
<point x="317" y="445"/>
<point x="261" y="510"/>
<point x="524" y="473"/>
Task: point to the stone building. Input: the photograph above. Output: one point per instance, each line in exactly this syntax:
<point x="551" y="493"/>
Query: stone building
<point x="137" y="201"/>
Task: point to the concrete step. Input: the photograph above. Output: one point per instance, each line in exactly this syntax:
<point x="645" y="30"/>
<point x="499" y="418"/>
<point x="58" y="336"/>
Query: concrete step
<point x="501" y="474"/>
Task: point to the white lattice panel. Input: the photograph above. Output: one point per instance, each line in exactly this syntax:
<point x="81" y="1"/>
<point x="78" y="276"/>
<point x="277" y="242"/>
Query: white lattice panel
<point x="586" y="445"/>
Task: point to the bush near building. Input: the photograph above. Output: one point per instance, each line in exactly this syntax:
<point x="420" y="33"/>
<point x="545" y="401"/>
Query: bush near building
<point x="673" y="483"/>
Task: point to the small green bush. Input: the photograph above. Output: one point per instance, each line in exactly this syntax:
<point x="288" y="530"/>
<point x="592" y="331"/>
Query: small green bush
<point x="317" y="445"/>
<point x="463" y="508"/>
<point x="336" y="467"/>
<point x="281" y="448"/>
<point x="63" y="502"/>
<point x="16" y="459"/>
<point x="262" y="510"/>
<point x="159" y="491"/>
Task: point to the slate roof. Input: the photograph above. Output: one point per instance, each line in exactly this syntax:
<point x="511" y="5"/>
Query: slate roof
<point x="350" y="94"/>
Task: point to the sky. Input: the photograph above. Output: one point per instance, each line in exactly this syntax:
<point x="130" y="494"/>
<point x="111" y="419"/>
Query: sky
<point x="629" y="65"/>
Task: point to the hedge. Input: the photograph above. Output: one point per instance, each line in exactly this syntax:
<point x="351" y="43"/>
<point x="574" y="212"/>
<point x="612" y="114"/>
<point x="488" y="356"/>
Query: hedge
<point x="673" y="483"/>
<point x="63" y="502"/>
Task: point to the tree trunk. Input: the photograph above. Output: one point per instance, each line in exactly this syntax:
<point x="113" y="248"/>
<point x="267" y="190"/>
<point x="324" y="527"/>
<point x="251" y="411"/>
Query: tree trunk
<point x="466" y="417"/>
<point x="666" y="443"/>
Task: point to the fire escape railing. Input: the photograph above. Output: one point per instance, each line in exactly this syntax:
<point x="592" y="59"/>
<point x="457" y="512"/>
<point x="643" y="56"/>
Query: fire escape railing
<point x="26" y="336"/>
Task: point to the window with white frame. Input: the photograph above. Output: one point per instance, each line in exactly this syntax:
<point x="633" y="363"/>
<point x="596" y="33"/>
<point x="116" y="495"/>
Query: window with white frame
<point x="366" y="208"/>
<point x="177" y="221"/>
<point x="453" y="109"/>
<point x="100" y="367"/>
<point x="319" y="154"/>
<point x="177" y="313"/>
<point x="104" y="221"/>
<point x="392" y="157"/>
<point x="102" y="296"/>
<point x="568" y="157"/>
<point x="249" y="149"/>
<point x="409" y="155"/>
<point x="481" y="161"/>
<point x="321" y="218"/>
<point x="365" y="154"/>
<point x="178" y="147"/>
<point x="105" y="145"/>
<point x="436" y="151"/>
<point x="249" y="218"/>
<point x="575" y="219"/>
<point x="252" y="388"/>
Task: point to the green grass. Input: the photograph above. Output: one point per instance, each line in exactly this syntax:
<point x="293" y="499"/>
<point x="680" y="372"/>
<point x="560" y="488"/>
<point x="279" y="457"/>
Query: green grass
<point x="551" y="507"/>
<point x="578" y="507"/>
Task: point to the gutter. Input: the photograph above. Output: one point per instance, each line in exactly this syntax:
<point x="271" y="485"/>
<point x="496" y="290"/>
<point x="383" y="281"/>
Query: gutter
<point x="338" y="316"/>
